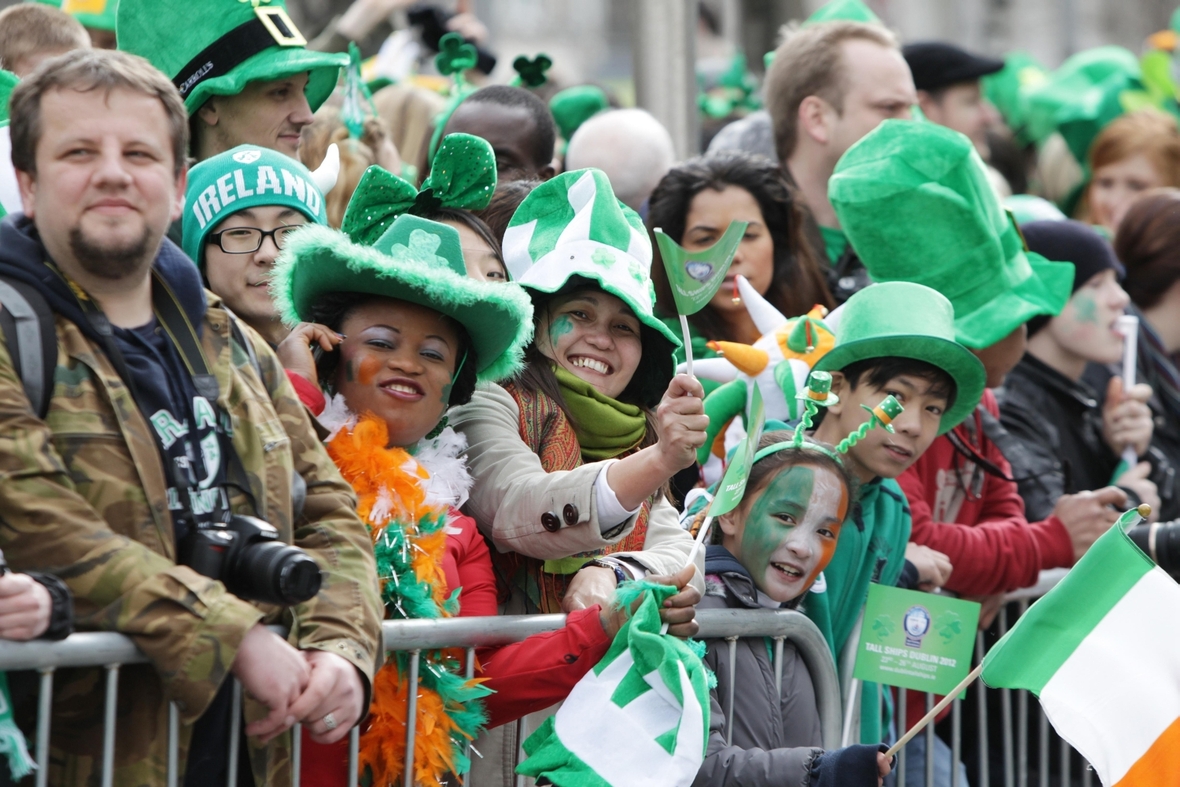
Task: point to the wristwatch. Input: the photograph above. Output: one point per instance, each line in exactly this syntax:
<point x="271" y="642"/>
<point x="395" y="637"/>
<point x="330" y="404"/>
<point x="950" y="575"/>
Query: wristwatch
<point x="620" y="575"/>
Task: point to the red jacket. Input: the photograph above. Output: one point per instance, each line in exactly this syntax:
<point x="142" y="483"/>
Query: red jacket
<point x="526" y="676"/>
<point x="977" y="519"/>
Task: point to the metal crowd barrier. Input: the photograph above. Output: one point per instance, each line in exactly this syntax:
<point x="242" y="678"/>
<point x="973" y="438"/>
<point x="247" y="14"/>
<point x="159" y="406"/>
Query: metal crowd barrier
<point x="1016" y="760"/>
<point x="111" y="651"/>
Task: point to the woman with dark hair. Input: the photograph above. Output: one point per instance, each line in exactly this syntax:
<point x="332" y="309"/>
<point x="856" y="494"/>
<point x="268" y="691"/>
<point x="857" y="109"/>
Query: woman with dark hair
<point x="695" y="203"/>
<point x="505" y="201"/>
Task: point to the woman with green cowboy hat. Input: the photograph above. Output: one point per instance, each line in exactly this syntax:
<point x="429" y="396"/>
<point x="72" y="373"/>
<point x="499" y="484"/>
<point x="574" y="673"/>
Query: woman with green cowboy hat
<point x="417" y="335"/>
<point x="571" y="456"/>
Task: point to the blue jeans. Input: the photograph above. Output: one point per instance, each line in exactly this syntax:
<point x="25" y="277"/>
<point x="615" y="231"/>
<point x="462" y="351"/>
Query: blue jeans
<point x="915" y="764"/>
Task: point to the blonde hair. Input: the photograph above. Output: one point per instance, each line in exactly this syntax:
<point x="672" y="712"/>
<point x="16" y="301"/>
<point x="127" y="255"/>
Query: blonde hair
<point x="810" y="62"/>
<point x="355" y="155"/>
<point x="31" y="29"/>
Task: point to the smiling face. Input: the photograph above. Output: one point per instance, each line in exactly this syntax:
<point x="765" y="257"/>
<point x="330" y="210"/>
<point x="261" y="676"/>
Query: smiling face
<point x="709" y="215"/>
<point x="785" y="533"/>
<point x="105" y="188"/>
<point x="1115" y="186"/>
<point x="879" y="453"/>
<point x="1085" y="329"/>
<point x="268" y="113"/>
<point x="398" y="362"/>
<point x="592" y="335"/>
<point x="241" y="279"/>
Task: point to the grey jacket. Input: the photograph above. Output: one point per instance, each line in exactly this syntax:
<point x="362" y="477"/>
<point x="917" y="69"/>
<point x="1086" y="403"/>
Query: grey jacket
<point x="776" y="736"/>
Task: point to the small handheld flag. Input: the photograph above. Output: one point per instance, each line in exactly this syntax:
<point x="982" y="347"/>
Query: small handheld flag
<point x="696" y="276"/>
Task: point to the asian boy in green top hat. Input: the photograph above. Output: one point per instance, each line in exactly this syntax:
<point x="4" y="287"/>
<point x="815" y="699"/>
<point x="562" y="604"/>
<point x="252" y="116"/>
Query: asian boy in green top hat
<point x="915" y="202"/>
<point x="241" y="68"/>
<point x="894" y="339"/>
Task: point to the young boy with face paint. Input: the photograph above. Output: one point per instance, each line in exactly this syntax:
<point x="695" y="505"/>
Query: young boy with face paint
<point x="766" y="554"/>
<point x="1066" y="441"/>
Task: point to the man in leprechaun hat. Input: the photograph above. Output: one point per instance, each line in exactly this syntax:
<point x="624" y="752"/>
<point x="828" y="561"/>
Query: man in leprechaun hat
<point x="241" y="206"/>
<point x="241" y="68"/>
<point x="915" y="202"/>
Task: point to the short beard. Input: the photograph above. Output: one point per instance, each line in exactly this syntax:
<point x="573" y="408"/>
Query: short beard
<point x="111" y="262"/>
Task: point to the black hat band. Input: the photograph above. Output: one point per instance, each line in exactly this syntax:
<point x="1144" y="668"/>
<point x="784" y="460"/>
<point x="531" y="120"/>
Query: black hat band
<point x="270" y="27"/>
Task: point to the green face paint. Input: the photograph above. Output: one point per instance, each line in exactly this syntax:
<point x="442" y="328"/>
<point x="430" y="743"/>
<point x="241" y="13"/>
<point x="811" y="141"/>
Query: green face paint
<point x="560" y="327"/>
<point x="349" y="371"/>
<point x="446" y="392"/>
<point x="1085" y="309"/>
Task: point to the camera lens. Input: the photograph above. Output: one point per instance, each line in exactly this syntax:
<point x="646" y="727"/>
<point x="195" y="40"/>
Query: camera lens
<point x="273" y="572"/>
<point x="1161" y="542"/>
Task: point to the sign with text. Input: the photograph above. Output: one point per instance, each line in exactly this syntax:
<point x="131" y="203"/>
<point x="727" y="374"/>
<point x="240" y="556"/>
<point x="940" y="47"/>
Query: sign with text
<point x="916" y="640"/>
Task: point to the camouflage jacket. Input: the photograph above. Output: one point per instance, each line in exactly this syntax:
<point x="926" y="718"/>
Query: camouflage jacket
<point x="82" y="495"/>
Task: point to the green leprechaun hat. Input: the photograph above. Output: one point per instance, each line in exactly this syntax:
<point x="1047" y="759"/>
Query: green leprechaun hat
<point x="98" y="14"/>
<point x="245" y="177"/>
<point x="416" y="260"/>
<point x="574" y="226"/>
<point x="905" y="320"/>
<point x="1008" y="89"/>
<point x="843" y="11"/>
<point x="214" y="47"/>
<point x="575" y="105"/>
<point x="916" y="204"/>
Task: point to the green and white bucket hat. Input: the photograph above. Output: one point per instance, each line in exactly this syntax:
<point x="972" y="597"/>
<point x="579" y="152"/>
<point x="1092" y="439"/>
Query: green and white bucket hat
<point x="574" y="226"/>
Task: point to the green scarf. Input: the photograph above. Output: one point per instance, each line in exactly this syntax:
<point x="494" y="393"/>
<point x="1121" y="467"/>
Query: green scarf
<point x="605" y="427"/>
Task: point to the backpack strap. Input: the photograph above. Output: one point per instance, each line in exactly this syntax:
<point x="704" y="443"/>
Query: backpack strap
<point x="31" y="339"/>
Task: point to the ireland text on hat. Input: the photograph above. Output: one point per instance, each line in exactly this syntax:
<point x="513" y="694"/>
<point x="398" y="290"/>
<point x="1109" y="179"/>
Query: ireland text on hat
<point x="218" y="196"/>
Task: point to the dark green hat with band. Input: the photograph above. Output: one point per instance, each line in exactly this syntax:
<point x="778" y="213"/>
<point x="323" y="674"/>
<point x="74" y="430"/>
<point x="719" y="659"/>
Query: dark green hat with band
<point x="215" y="47"/>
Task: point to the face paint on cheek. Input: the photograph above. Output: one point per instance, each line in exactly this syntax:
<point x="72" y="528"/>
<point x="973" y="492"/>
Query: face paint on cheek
<point x="446" y="392"/>
<point x="820" y="504"/>
<point x="763" y="533"/>
<point x="367" y="371"/>
<point x="1085" y="309"/>
<point x="350" y="370"/>
<point x="560" y="327"/>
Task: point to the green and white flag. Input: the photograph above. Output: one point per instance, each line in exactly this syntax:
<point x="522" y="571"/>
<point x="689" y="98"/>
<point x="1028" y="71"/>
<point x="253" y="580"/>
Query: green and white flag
<point x="733" y="483"/>
<point x="640" y="718"/>
<point x="1102" y="652"/>
<point x="695" y="276"/>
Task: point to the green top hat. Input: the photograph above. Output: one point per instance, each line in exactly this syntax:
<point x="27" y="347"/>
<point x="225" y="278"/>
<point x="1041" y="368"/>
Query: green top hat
<point x="241" y="178"/>
<point x="843" y="11"/>
<point x="99" y="14"/>
<point x="418" y="261"/>
<point x="1084" y="94"/>
<point x="573" y="225"/>
<point x="1008" y="90"/>
<point x="905" y="320"/>
<point x="214" y="47"/>
<point x="916" y="204"/>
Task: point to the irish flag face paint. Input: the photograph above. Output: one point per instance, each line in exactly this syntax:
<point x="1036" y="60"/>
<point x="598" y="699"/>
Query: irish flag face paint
<point x="1102" y="651"/>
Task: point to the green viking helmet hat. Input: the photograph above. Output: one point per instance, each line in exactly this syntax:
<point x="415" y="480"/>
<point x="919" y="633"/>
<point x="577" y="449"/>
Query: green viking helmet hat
<point x="574" y="226"/>
<point x="916" y="204"/>
<point x="904" y="320"/>
<point x="214" y="47"/>
<point x="416" y="260"/>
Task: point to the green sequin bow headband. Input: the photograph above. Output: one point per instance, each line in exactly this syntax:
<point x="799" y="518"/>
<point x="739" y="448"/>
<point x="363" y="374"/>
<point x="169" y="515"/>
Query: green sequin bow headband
<point x="819" y="394"/>
<point x="463" y="176"/>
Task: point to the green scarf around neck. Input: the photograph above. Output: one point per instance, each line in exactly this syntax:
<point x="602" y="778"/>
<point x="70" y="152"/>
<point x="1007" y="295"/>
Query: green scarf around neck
<point x="605" y="427"/>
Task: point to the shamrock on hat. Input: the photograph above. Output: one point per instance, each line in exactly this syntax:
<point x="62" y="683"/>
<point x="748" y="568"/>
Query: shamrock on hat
<point x="215" y="47"/>
<point x="916" y="204"/>
<point x="573" y="227"/>
<point x="245" y="177"/>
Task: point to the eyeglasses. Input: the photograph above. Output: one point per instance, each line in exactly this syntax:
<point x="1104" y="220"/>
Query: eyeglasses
<point x="247" y="240"/>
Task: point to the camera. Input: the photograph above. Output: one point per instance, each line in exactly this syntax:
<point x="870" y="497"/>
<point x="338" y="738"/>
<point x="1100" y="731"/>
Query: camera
<point x="1161" y="542"/>
<point x="246" y="555"/>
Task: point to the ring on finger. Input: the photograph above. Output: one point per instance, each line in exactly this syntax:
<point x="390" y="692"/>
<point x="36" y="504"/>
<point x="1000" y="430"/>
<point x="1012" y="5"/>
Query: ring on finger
<point x="330" y="722"/>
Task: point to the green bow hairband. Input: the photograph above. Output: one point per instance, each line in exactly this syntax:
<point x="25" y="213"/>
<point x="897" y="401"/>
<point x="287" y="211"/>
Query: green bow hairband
<point x="462" y="176"/>
<point x="819" y="394"/>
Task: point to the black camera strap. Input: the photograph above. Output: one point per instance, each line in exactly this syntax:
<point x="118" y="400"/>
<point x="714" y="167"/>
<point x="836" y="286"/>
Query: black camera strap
<point x="183" y="337"/>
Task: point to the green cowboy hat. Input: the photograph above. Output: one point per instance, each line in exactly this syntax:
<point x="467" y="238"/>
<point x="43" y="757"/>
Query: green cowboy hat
<point x="418" y="261"/>
<point x="916" y="205"/>
<point x="574" y="226"/>
<point x="904" y="320"/>
<point x="213" y="48"/>
<point x="245" y="177"/>
<point x="98" y="14"/>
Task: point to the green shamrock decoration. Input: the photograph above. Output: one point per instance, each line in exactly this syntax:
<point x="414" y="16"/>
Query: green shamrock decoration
<point x="948" y="626"/>
<point x="532" y="72"/>
<point x="455" y="55"/>
<point x="883" y="626"/>
<point x="603" y="257"/>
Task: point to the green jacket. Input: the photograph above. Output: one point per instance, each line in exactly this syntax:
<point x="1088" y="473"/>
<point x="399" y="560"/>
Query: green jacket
<point x="871" y="549"/>
<point x="83" y="496"/>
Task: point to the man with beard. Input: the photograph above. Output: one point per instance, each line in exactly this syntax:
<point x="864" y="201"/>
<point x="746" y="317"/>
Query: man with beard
<point x="166" y="417"/>
<point x="241" y="68"/>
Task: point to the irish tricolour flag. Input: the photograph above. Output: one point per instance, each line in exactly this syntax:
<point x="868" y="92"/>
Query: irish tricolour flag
<point x="1102" y="651"/>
